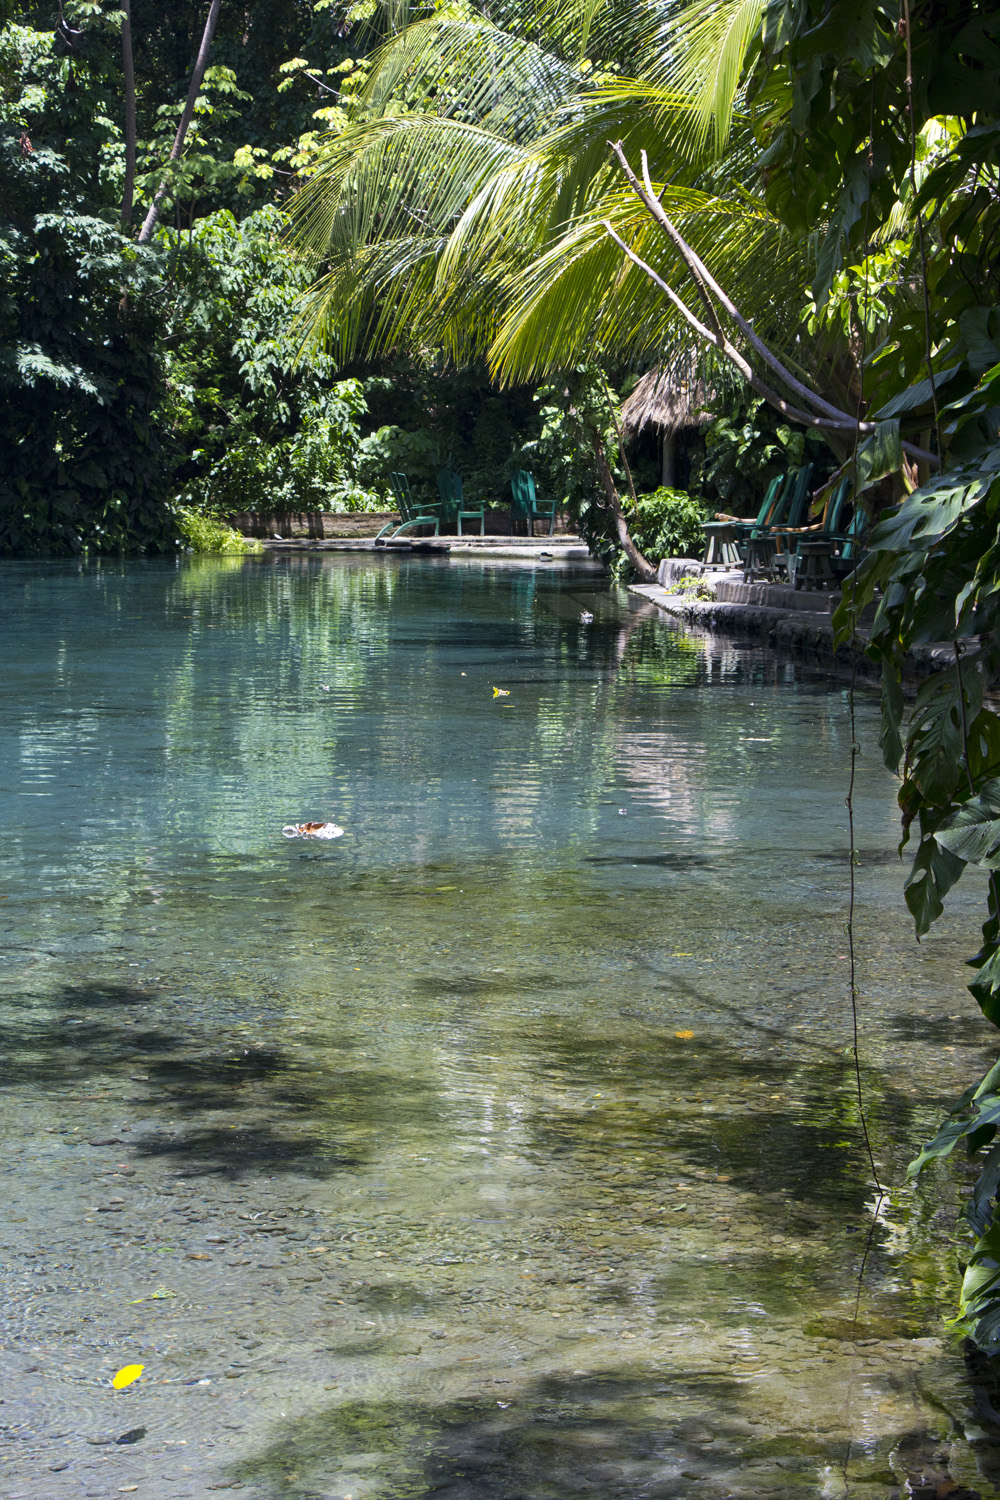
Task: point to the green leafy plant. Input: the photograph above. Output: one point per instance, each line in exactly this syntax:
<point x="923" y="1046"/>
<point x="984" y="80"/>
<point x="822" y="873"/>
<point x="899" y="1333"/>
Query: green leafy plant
<point x="263" y="428"/>
<point x="746" y="446"/>
<point x="692" y="586"/>
<point x="84" y="459"/>
<point x="668" y="523"/>
<point x="207" y="534"/>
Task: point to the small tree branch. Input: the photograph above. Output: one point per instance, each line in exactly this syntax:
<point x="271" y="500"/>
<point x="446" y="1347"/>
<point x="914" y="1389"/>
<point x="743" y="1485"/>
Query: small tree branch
<point x="201" y="62"/>
<point x="128" y="70"/>
<point x="642" y="565"/>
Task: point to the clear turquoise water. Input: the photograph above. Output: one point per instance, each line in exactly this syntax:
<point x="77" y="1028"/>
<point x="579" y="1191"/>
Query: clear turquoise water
<point x="505" y="1147"/>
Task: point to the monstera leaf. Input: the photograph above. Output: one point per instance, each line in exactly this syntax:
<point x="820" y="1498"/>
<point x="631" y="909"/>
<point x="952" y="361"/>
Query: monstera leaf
<point x="973" y="833"/>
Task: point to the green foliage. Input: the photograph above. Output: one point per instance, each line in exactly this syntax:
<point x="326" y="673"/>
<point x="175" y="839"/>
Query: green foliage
<point x="427" y="417"/>
<point x="82" y="460"/>
<point x="935" y="562"/>
<point x="206" y="534"/>
<point x="130" y="376"/>
<point x="692" y="586"/>
<point x="257" y="115"/>
<point x="668" y="523"/>
<point x="746" y="445"/>
<point x="561" y="455"/>
<point x="262" y="429"/>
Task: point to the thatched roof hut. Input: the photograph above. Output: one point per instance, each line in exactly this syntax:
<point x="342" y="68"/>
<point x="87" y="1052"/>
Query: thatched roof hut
<point x="664" y="399"/>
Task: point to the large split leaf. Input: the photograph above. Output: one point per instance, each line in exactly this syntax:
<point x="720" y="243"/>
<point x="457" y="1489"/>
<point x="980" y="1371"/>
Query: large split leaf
<point x="973" y="832"/>
<point x="932" y="875"/>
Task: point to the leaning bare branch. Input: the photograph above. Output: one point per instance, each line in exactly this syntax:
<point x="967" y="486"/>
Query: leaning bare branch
<point x="197" y="74"/>
<point x="832" y="418"/>
<point x="846" y="424"/>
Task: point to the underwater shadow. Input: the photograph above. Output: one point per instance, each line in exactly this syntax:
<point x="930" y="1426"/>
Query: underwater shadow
<point x="173" y="1085"/>
<point x="232" y="1151"/>
<point x="610" y="1434"/>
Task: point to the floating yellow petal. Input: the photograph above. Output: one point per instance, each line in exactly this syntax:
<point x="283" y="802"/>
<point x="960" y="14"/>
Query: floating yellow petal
<point x="685" y="1036"/>
<point x="126" y="1375"/>
<point x="501" y="692"/>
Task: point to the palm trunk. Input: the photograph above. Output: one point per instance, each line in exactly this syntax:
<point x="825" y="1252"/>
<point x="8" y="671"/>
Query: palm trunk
<point x="128" y="69"/>
<point x="643" y="567"/>
<point x="201" y="62"/>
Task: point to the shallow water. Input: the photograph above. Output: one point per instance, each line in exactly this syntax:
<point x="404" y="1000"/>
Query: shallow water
<point x="505" y="1147"/>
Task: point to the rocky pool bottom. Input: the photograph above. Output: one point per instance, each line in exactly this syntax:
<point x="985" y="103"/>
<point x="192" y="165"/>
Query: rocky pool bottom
<point x="506" y="1148"/>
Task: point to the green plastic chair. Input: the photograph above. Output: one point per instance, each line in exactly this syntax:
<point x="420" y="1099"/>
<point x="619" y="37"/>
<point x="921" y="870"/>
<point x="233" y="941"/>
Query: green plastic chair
<point x="453" y="506"/>
<point x="812" y="549"/>
<point x="850" y="545"/>
<point x="723" y="537"/>
<point x="789" y="512"/>
<point x="526" y="503"/>
<point x="410" y="513"/>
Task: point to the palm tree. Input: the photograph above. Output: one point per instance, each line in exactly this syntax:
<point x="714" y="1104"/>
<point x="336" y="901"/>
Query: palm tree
<point x="501" y="192"/>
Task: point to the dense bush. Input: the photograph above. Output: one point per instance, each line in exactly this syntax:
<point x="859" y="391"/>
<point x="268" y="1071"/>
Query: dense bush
<point x="425" y="416"/>
<point x="82" y="461"/>
<point x="668" y="523"/>
<point x="746" y="445"/>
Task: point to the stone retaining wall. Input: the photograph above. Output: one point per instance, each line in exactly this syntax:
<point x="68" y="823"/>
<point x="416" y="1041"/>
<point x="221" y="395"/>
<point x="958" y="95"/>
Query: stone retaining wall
<point x="322" y="525"/>
<point x="313" y="524"/>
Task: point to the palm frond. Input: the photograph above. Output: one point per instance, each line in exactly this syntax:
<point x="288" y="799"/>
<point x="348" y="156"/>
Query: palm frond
<point x="583" y="293"/>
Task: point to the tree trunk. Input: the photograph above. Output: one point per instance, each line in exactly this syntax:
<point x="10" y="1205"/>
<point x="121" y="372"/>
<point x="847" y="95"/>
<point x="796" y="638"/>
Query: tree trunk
<point x="201" y="62"/>
<point x="128" y="69"/>
<point x="669" y="474"/>
<point x="643" y="567"/>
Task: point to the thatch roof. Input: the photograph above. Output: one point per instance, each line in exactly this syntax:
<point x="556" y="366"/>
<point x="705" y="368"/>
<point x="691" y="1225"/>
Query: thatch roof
<point x="666" y="400"/>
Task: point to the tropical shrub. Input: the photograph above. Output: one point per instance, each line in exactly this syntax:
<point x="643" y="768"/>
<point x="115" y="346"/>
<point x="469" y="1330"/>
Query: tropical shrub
<point x="82" y="460"/>
<point x="691" y="586"/>
<point x="746" y="446"/>
<point x="668" y="523"/>
<point x="208" y="534"/>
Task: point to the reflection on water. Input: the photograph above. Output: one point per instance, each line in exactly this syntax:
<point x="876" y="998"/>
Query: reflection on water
<point x="505" y="1147"/>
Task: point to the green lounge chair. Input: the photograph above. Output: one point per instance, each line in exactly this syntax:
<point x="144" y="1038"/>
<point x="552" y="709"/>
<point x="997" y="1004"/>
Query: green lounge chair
<point x="453" y="504"/>
<point x="762" y="553"/>
<point x="723" y="536"/>
<point x="812" y="548"/>
<point x="527" y="504"/>
<point x="410" y="513"/>
<point x="851" y="549"/>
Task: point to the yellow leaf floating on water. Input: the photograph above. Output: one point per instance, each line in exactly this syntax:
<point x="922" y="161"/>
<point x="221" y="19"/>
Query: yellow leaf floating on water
<point x="685" y="1036"/>
<point x="501" y="692"/>
<point x="126" y="1375"/>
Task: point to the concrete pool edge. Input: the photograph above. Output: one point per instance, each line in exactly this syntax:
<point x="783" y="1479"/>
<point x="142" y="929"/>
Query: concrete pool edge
<point x="798" y="623"/>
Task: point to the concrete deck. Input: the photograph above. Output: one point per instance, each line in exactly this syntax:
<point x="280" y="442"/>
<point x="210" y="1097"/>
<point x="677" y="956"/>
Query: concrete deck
<point x="540" y="549"/>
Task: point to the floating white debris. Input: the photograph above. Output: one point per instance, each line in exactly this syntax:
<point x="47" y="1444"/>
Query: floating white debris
<point x="312" y="831"/>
